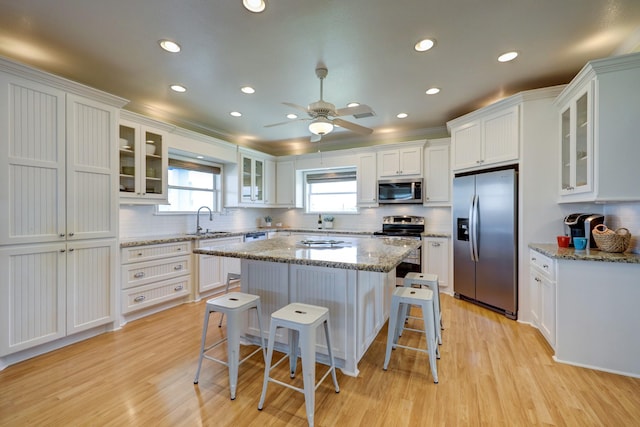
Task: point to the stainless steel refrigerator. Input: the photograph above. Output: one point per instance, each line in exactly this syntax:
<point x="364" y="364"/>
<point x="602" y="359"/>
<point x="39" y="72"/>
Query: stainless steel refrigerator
<point x="485" y="220"/>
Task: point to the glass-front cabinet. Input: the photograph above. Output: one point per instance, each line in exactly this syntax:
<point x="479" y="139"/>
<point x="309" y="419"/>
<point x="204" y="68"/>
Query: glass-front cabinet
<point x="577" y="144"/>
<point x="252" y="177"/>
<point x="143" y="164"/>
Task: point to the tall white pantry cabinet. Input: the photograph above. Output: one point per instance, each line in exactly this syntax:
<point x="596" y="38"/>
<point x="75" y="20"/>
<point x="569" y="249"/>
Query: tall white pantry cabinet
<point x="58" y="211"/>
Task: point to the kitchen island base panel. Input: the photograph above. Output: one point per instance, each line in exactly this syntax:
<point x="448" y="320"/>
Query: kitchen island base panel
<point x="358" y="303"/>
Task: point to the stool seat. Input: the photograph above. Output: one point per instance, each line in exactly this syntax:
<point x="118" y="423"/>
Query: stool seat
<point x="302" y="320"/>
<point x="402" y="298"/>
<point x="230" y="277"/>
<point x="233" y="304"/>
<point x="431" y="282"/>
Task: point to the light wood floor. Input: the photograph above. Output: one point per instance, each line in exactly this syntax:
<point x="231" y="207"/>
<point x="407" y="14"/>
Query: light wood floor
<point x="493" y="372"/>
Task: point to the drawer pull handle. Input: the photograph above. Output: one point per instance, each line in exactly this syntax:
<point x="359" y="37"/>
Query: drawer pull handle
<point x="139" y="274"/>
<point x="179" y="249"/>
<point x="139" y="298"/>
<point x="139" y="253"/>
<point x="534" y="259"/>
<point x="538" y="280"/>
<point x="545" y="266"/>
<point x="178" y="288"/>
<point x="178" y="267"/>
<point x="435" y="244"/>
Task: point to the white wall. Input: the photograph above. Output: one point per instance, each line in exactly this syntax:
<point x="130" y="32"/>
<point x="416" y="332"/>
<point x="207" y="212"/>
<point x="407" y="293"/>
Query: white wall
<point x="625" y="215"/>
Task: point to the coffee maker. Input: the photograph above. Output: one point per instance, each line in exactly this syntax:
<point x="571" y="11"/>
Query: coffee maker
<point x="582" y="225"/>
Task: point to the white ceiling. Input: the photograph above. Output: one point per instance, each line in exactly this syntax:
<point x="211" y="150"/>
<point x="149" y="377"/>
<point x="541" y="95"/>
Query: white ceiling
<point x="367" y="45"/>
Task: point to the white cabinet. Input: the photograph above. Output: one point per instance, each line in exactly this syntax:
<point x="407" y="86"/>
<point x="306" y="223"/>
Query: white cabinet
<point x="285" y="184"/>
<point x="598" y="132"/>
<point x="154" y="274"/>
<point x="59" y="210"/>
<point x="143" y="162"/>
<point x="252" y="180"/>
<point x="435" y="258"/>
<point x="437" y="175"/>
<point x="52" y="290"/>
<point x="403" y="161"/>
<point x="487" y="137"/>
<point x="213" y="270"/>
<point x="542" y="285"/>
<point x="367" y="180"/>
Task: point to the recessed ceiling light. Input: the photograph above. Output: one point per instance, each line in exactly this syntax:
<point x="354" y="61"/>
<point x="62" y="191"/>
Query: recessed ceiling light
<point x="178" y="88"/>
<point x="508" y="56"/>
<point x="424" y="45"/>
<point x="353" y="104"/>
<point x="432" y="91"/>
<point x="169" y="46"/>
<point x="236" y="113"/>
<point x="254" y="5"/>
<point x="402" y="115"/>
<point x="248" y="89"/>
<point x="292" y="116"/>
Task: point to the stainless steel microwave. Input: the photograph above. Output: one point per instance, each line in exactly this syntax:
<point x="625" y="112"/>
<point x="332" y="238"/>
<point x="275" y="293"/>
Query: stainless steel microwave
<point x="400" y="191"/>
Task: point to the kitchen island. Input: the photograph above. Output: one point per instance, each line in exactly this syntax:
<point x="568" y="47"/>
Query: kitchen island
<point x="353" y="277"/>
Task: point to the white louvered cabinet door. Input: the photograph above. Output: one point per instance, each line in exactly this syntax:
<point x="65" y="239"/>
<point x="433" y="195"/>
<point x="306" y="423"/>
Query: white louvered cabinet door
<point x="32" y="295"/>
<point x="32" y="162"/>
<point x="91" y="267"/>
<point x="92" y="162"/>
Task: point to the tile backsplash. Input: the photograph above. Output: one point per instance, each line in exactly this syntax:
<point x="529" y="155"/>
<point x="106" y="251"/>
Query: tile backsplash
<point x="625" y="215"/>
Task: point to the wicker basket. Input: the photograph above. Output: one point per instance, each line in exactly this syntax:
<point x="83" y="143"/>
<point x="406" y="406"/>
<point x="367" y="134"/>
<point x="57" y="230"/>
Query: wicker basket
<point x="611" y="241"/>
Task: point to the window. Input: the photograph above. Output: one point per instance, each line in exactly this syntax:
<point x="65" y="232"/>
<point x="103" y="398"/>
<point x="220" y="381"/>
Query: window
<point x="331" y="191"/>
<point x="191" y="185"/>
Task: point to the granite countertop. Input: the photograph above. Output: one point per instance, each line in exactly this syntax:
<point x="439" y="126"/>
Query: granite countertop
<point x="155" y="240"/>
<point x="377" y="255"/>
<point x="553" y="251"/>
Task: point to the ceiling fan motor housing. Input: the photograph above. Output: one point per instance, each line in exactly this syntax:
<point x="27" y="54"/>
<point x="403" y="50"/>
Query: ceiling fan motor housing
<point x="322" y="109"/>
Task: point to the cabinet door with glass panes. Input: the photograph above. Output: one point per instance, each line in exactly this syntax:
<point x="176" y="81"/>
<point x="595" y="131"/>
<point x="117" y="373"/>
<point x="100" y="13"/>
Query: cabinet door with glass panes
<point x="143" y="164"/>
<point x="577" y="145"/>
<point x="252" y="180"/>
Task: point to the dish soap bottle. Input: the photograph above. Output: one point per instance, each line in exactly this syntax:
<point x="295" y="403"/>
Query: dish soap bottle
<point x="319" y="221"/>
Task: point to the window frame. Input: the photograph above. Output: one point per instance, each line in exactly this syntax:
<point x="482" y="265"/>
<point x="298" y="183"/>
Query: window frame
<point x="350" y="171"/>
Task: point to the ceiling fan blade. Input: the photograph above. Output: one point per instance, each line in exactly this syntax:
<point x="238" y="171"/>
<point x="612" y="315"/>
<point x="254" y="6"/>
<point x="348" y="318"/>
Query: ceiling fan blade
<point x="352" y="126"/>
<point x="315" y="138"/>
<point x="354" y="111"/>
<point x="296" y="106"/>
<point x="286" y="123"/>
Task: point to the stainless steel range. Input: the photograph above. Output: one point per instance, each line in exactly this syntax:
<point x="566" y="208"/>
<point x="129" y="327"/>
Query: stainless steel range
<point x="407" y="227"/>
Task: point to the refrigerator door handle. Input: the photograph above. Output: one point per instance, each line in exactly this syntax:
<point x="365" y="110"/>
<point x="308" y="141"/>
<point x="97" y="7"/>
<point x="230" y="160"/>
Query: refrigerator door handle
<point x="473" y="228"/>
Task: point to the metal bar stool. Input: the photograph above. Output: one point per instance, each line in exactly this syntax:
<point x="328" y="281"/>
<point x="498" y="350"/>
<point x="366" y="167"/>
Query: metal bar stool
<point x="402" y="298"/>
<point x="431" y="282"/>
<point x="230" y="277"/>
<point x="302" y="320"/>
<point x="234" y="304"/>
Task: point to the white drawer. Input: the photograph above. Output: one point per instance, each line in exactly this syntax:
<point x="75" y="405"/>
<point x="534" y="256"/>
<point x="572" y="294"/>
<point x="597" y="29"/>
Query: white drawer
<point x="543" y="263"/>
<point x="142" y="273"/>
<point x="148" y="295"/>
<point x="147" y="253"/>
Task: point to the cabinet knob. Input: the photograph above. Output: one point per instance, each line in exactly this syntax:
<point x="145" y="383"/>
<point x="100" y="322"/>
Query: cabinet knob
<point x="71" y="250"/>
<point x="71" y="234"/>
<point x="436" y="244"/>
<point x="533" y="258"/>
<point x="139" y="298"/>
<point x="178" y="267"/>
<point x="139" y="274"/>
<point x="178" y="288"/>
<point x="545" y="266"/>
<point x="62" y="250"/>
<point x="61" y="234"/>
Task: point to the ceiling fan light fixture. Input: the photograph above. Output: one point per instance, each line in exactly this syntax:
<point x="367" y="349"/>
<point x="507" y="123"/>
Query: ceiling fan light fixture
<point x="320" y="126"/>
<point x="255" y="6"/>
<point x="424" y="45"/>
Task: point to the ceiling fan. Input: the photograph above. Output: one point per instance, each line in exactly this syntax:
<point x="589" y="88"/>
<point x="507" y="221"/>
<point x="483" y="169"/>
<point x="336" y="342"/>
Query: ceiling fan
<point x="324" y="115"/>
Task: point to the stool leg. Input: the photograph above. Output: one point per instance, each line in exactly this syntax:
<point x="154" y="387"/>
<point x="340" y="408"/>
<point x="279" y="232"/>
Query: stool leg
<point x="267" y="363"/>
<point x="233" y="351"/>
<point x="308" y="355"/>
<point x="226" y="290"/>
<point x="327" y="334"/>
<point x="294" y="342"/>
<point x="262" y="339"/>
<point x="430" y="329"/>
<point x="391" y="332"/>
<point x="202" y="345"/>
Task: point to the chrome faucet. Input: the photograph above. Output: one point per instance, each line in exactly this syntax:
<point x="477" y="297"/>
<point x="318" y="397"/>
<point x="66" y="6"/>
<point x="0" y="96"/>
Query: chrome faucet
<point x="198" y="228"/>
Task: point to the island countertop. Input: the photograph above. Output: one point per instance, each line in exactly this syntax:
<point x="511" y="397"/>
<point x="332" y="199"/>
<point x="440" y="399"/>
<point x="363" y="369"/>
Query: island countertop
<point x="367" y="254"/>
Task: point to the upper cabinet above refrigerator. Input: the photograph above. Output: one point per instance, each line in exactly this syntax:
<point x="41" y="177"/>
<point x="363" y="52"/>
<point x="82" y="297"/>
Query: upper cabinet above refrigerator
<point x="598" y="141"/>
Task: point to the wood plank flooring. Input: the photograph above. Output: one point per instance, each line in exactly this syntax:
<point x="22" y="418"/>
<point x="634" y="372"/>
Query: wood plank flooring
<point x="493" y="372"/>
